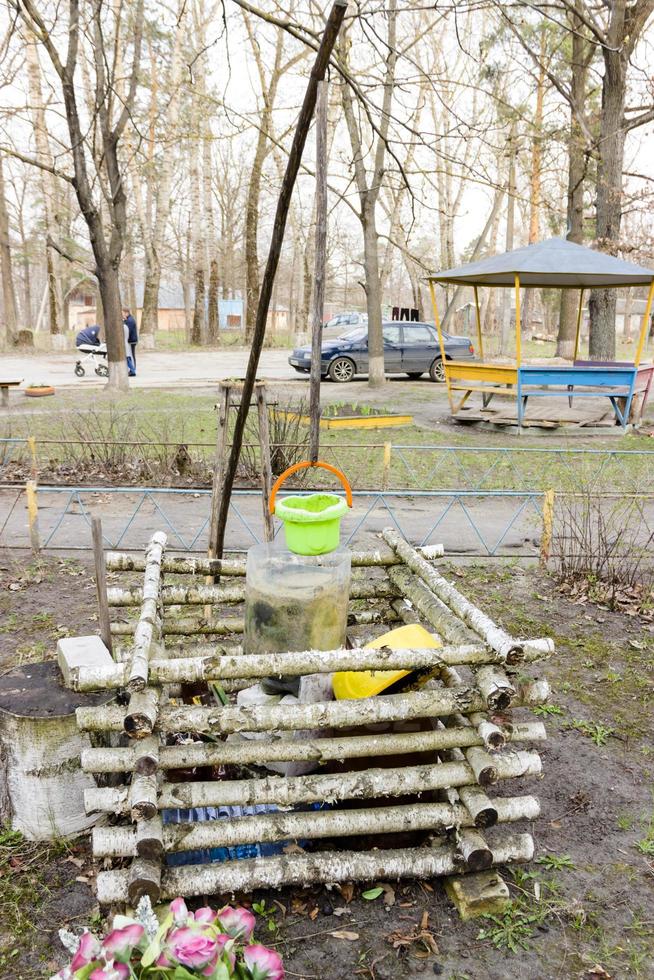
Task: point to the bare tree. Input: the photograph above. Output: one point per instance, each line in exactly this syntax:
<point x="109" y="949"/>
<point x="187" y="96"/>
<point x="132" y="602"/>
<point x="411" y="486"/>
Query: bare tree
<point x="369" y="187"/>
<point x="106" y="236"/>
<point x="9" y="321"/>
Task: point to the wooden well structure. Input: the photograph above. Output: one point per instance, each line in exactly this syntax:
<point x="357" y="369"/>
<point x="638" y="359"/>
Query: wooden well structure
<point x="428" y="761"/>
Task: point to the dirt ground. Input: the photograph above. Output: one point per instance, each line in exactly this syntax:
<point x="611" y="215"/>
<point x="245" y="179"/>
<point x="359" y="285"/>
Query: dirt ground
<point x="584" y="908"/>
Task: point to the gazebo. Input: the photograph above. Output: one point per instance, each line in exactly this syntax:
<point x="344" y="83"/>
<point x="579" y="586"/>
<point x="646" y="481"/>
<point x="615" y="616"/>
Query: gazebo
<point x="560" y="264"/>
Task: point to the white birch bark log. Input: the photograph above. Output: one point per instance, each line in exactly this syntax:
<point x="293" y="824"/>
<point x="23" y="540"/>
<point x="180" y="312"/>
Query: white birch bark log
<point x="474" y="849"/>
<point x="495" y="687"/>
<point x="271" y="827"/>
<point x="141" y="715"/>
<point x="147" y="628"/>
<point x="421" y="704"/>
<point x="143" y="797"/>
<point x="200" y="595"/>
<point x="143" y="878"/>
<point x="250" y="752"/>
<point x="118" y="561"/>
<point x="304" y="869"/>
<point x="510" y="649"/>
<point x="437" y="614"/>
<point x="147" y="839"/>
<point x="289" y="790"/>
<point x="190" y="670"/>
<point x="227" y="626"/>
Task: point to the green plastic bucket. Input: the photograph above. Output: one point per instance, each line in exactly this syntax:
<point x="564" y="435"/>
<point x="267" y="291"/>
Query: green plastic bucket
<point x="312" y="524"/>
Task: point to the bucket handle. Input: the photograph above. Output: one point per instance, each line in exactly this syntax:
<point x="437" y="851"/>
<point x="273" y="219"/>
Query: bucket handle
<point x="303" y="466"/>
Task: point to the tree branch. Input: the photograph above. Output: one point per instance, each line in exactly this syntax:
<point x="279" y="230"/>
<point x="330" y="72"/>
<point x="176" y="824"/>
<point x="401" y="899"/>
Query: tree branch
<point x="32" y="162"/>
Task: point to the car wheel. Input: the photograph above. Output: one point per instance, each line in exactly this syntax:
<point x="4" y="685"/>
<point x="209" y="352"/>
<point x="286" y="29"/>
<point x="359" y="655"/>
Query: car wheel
<point x="341" y="370"/>
<point x="437" y="371"/>
<point x="79" y="371"/>
<point x="414" y="375"/>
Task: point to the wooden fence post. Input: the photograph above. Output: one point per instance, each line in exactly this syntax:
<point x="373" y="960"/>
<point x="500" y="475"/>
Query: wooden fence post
<point x="33" y="516"/>
<point x="548" y="522"/>
<point x="266" y="466"/>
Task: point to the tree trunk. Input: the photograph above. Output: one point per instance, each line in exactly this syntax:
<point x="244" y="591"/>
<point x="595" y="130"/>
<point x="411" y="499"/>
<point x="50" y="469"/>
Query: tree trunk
<point x="197" y="251"/>
<point x="9" y="321"/>
<point x="602" y="303"/>
<point x="510" y="222"/>
<point x="252" y="235"/>
<point x="152" y="281"/>
<point x="109" y="285"/>
<point x="376" y="375"/>
<point x="48" y="181"/>
<point x="576" y="174"/>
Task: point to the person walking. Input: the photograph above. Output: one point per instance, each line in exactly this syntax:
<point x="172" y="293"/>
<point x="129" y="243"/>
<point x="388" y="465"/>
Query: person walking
<point x="130" y="363"/>
<point x="133" y="335"/>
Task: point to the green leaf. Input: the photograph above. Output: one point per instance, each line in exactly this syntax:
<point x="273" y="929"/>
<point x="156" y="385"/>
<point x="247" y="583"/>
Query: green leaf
<point x="372" y="894"/>
<point x="181" y="973"/>
<point x="151" y="952"/>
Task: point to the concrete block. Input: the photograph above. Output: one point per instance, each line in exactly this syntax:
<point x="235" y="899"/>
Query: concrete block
<point x="81" y="651"/>
<point x="478" y="894"/>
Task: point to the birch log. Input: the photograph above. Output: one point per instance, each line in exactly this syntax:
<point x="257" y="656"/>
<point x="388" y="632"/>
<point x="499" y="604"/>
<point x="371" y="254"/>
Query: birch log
<point x="190" y="670"/>
<point x="143" y="797"/>
<point x="495" y="687"/>
<point x="509" y="649"/>
<point x="271" y="827"/>
<point x="305" y="869"/>
<point x="118" y="561"/>
<point x="287" y="791"/>
<point x="143" y="878"/>
<point x="200" y="595"/>
<point x="432" y="608"/>
<point x="147" y="628"/>
<point x="392" y="707"/>
<point x="475" y="851"/>
<point x="148" y="840"/>
<point x="493" y="736"/>
<point x="253" y="752"/>
<point x="141" y="715"/>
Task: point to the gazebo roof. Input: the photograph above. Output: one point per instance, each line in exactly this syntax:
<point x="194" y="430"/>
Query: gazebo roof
<point x="553" y="263"/>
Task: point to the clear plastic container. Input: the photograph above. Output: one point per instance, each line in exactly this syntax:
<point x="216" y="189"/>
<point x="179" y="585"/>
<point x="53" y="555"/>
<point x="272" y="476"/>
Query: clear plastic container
<point x="295" y="602"/>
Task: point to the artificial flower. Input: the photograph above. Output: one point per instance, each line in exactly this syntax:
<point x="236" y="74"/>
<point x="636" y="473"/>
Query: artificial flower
<point x="238" y="923"/>
<point x="111" y="971"/>
<point x="263" y="963"/>
<point x="180" y="912"/>
<point x="191" y="948"/>
<point x="120" y="943"/>
<point x="87" y="951"/>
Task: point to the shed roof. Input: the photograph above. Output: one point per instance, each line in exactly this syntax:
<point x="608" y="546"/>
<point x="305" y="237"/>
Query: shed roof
<point x="553" y="263"/>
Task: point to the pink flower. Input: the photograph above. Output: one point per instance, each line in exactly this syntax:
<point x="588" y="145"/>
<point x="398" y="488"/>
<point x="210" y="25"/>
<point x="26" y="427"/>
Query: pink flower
<point x="191" y="948"/>
<point x="263" y="963"/>
<point x="205" y="915"/>
<point x="120" y="943"/>
<point x="238" y="923"/>
<point x="87" y="951"/>
<point x="180" y="912"/>
<point x="112" y="971"/>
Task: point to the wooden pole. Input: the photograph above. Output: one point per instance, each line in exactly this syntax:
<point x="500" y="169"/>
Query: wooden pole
<point x="317" y="305"/>
<point x="548" y="523"/>
<point x="222" y="435"/>
<point x="578" y="328"/>
<point x="266" y="466"/>
<point x="478" y="318"/>
<point x="328" y="40"/>
<point x="33" y="515"/>
<point x="437" y="321"/>
<point x="518" y="325"/>
<point x="101" y="584"/>
<point x="643" y="329"/>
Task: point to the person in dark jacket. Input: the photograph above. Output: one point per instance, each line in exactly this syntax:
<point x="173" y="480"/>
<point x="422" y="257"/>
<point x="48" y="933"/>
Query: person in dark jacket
<point x="89" y="335"/>
<point x="133" y="334"/>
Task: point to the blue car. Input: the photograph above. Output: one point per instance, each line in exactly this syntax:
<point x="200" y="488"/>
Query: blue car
<point x="409" y="348"/>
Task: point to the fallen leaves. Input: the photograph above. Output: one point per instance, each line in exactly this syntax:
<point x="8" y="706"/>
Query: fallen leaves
<point x="345" y="934"/>
<point x="419" y="941"/>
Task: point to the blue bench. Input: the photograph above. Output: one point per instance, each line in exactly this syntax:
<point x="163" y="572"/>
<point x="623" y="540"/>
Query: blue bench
<point x="617" y="382"/>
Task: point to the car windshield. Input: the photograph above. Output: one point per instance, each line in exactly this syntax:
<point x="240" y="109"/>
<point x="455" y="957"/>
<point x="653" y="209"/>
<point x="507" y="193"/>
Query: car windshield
<point x="357" y="333"/>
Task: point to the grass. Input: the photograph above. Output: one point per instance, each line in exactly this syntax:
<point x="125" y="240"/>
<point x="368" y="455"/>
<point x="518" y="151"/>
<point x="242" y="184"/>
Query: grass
<point x="188" y="419"/>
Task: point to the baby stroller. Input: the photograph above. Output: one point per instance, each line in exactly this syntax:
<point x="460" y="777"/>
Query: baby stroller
<point x="97" y="355"/>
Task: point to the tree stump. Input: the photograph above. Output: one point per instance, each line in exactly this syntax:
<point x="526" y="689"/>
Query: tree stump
<point x="41" y="781"/>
